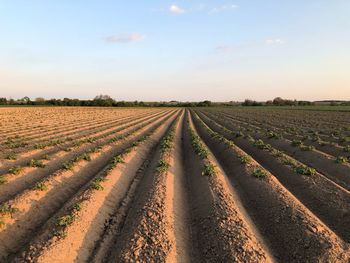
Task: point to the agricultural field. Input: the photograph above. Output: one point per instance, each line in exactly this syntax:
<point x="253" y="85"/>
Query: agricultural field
<point x="174" y="185"/>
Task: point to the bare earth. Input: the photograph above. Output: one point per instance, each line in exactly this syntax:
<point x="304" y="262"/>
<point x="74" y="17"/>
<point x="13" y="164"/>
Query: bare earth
<point x="174" y="185"/>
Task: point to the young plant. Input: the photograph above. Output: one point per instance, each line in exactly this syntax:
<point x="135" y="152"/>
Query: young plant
<point x="296" y="143"/>
<point x="136" y="143"/>
<point x="258" y="173"/>
<point x="198" y="146"/>
<point x="341" y="159"/>
<point x="167" y="142"/>
<point x="7" y="209"/>
<point x="11" y="156"/>
<point x="261" y="145"/>
<point x="307" y="148"/>
<point x="117" y="159"/>
<point x="68" y="165"/>
<point x="244" y="159"/>
<point x="305" y="170"/>
<point x="209" y="169"/>
<point x="36" y="163"/>
<point x="162" y="166"/>
<point x="60" y="233"/>
<point x="289" y="162"/>
<point x="347" y="149"/>
<point x="65" y="220"/>
<point x="15" y="170"/>
<point x="85" y="157"/>
<point x="96" y="183"/>
<point x="276" y="153"/>
<point x="2" y="223"/>
<point x="77" y="207"/>
<point x="46" y="157"/>
<point x="40" y="187"/>
<point x="39" y="146"/>
<point x="272" y="134"/>
<point x="2" y="180"/>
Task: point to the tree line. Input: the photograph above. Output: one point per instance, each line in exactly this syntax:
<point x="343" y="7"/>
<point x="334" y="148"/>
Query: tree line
<point x="277" y="102"/>
<point x="98" y="101"/>
<point x="107" y="101"/>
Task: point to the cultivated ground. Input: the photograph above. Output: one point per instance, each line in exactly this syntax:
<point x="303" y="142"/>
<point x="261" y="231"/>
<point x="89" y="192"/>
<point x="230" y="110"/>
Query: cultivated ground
<point x="174" y="185"/>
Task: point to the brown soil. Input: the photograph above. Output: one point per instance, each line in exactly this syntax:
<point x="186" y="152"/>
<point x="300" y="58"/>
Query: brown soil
<point x="118" y="206"/>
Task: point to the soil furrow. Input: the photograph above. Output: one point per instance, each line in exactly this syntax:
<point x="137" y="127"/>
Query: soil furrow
<point x="96" y="209"/>
<point x="292" y="232"/>
<point x="59" y="188"/>
<point x="18" y="182"/>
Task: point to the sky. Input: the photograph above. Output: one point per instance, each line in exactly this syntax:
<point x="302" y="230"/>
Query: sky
<point x="180" y="50"/>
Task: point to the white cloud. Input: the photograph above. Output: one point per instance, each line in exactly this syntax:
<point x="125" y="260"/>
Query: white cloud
<point x="225" y="49"/>
<point x="275" y="41"/>
<point x="125" y="38"/>
<point x="176" y="9"/>
<point x="231" y="48"/>
<point x="222" y="8"/>
<point x="253" y="44"/>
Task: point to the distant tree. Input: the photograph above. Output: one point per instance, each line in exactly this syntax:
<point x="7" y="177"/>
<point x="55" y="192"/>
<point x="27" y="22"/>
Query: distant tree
<point x="103" y="100"/>
<point x="26" y="99"/>
<point x="3" y="101"/>
<point x="39" y="101"/>
<point x="278" y="101"/>
<point x="249" y="102"/>
<point x="206" y="103"/>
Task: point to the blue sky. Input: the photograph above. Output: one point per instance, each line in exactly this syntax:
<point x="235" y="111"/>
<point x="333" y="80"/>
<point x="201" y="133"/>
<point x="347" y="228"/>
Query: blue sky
<point x="182" y="50"/>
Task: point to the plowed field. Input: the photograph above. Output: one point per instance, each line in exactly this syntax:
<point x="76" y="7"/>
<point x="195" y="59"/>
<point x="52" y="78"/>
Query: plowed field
<point x="174" y="185"/>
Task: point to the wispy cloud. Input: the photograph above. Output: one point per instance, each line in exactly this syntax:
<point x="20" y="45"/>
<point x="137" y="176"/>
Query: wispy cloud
<point x="225" y="48"/>
<point x="176" y="9"/>
<point x="222" y="8"/>
<point x="275" y="41"/>
<point x="253" y="44"/>
<point x="125" y="38"/>
<point x="201" y="7"/>
<point x="231" y="48"/>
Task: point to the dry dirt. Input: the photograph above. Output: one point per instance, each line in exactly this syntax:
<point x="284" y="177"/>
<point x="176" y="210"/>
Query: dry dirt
<point x="172" y="185"/>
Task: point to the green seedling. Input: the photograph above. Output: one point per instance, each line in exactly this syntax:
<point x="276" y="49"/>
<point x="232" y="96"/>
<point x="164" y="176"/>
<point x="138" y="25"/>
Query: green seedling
<point x="3" y="180"/>
<point x="65" y="220"/>
<point x="261" y="145"/>
<point x="60" y="234"/>
<point x="2" y="223"/>
<point x="46" y="157"/>
<point x="15" y="170"/>
<point x="40" y="187"/>
<point x="96" y="183"/>
<point x="36" y="163"/>
<point x="341" y="159"/>
<point x="11" y="156"/>
<point x="77" y="207"/>
<point x="39" y="146"/>
<point x="162" y="166"/>
<point x="272" y="134"/>
<point x="68" y="165"/>
<point x="198" y="146"/>
<point x="276" y="153"/>
<point x="244" y="159"/>
<point x="296" y="143"/>
<point x="307" y="148"/>
<point x="305" y="170"/>
<point x="209" y="169"/>
<point x="259" y="173"/>
<point x="7" y="209"/>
